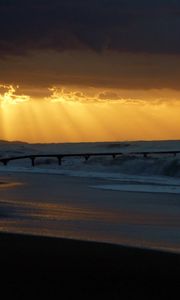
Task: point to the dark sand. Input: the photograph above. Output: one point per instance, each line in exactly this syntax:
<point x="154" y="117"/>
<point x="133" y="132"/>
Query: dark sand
<point x="35" y="267"/>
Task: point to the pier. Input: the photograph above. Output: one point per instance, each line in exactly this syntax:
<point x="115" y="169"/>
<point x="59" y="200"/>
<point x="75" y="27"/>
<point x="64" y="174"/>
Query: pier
<point x="86" y="156"/>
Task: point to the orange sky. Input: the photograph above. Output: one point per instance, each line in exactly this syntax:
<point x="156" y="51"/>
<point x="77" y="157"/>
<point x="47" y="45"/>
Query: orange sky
<point x="84" y="114"/>
<point x="89" y="70"/>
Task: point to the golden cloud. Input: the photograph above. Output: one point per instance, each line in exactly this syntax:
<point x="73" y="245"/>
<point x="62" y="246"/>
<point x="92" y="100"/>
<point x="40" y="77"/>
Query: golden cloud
<point x="8" y="95"/>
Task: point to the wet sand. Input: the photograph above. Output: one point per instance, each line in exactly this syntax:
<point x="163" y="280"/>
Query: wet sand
<point x="37" y="267"/>
<point x="60" y="268"/>
<point x="68" y="207"/>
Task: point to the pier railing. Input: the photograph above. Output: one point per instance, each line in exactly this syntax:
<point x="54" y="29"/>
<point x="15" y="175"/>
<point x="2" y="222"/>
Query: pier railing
<point x="86" y="156"/>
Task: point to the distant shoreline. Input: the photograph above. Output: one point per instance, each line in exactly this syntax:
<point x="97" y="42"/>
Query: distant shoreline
<point x="85" y="142"/>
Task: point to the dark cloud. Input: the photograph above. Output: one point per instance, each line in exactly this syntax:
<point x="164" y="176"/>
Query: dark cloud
<point x="107" y="70"/>
<point x="121" y="25"/>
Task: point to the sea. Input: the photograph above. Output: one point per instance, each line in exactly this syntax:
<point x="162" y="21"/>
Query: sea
<point x="128" y="199"/>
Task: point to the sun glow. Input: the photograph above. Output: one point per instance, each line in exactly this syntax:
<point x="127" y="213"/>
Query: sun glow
<point x="74" y="116"/>
<point x="9" y="96"/>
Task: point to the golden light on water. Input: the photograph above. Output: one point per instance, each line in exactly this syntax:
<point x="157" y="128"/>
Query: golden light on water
<point x="76" y="117"/>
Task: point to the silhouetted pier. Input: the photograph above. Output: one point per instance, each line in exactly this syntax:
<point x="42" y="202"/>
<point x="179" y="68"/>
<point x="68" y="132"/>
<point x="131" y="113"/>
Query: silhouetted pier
<point x="86" y="156"/>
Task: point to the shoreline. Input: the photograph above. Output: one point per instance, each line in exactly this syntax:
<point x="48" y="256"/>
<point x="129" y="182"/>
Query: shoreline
<point x="45" y="204"/>
<point x="59" y="266"/>
<point x="111" y="183"/>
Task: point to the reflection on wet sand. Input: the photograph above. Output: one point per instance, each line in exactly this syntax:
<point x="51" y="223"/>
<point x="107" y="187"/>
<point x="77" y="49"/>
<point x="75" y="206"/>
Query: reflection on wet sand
<point x="68" y="207"/>
<point x="70" y="221"/>
<point x="5" y="184"/>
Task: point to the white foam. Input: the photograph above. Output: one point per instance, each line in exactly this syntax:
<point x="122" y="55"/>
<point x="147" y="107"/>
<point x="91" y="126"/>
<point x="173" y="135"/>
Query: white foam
<point x="139" y="188"/>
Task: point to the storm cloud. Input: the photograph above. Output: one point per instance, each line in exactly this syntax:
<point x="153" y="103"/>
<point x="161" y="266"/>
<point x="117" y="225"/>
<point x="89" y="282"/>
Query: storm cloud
<point x="151" y="27"/>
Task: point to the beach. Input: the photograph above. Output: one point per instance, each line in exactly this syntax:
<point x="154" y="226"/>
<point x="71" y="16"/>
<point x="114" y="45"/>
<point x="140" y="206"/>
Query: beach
<point x="77" y="245"/>
<point x="70" y="207"/>
<point x="87" y="231"/>
<point x="38" y="267"/>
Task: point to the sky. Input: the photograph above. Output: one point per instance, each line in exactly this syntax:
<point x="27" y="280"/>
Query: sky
<point x="89" y="70"/>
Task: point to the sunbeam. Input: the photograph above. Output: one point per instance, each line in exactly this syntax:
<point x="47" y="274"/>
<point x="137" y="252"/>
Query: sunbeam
<point x="79" y="116"/>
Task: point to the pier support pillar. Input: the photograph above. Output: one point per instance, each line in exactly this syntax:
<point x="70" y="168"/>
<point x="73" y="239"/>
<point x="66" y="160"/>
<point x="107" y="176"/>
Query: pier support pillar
<point x="86" y="157"/>
<point x="59" y="160"/>
<point x="5" y="162"/>
<point x="32" y="161"/>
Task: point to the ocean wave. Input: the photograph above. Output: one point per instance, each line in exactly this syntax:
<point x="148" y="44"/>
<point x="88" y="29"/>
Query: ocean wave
<point x="138" y="166"/>
<point x="153" y="165"/>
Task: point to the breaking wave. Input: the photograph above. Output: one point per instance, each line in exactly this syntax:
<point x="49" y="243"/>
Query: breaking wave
<point x="153" y="165"/>
<point x="140" y="166"/>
